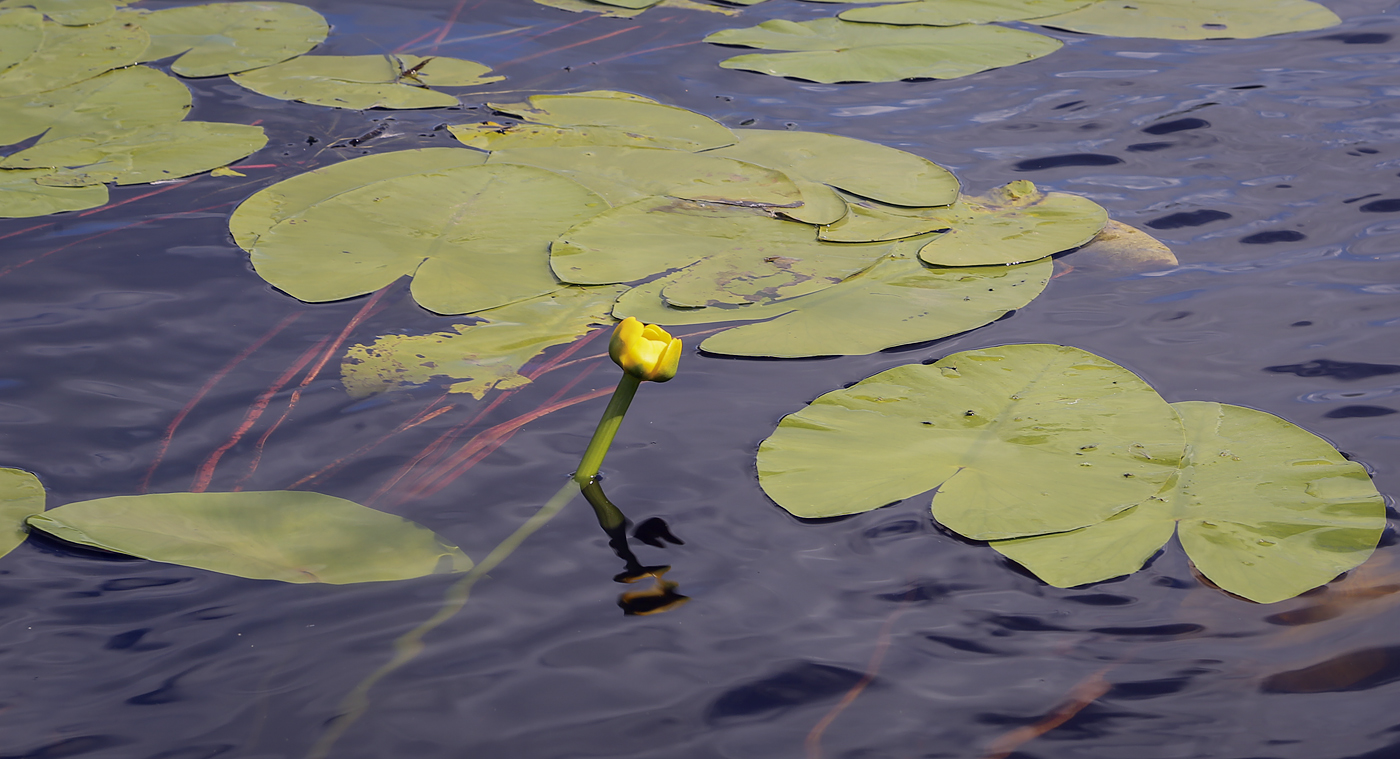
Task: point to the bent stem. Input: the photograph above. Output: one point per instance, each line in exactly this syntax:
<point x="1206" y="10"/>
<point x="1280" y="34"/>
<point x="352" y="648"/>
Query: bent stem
<point x="608" y="515"/>
<point x="410" y="644"/>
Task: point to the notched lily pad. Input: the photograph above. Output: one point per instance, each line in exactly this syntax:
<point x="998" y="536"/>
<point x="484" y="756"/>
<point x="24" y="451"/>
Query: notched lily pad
<point x="472" y="238"/>
<point x="281" y="535"/>
<point x="22" y="197"/>
<point x="1194" y="19"/>
<point x="148" y="154"/>
<point x="1019" y="440"/>
<point x="480" y="357"/>
<point x="129" y="98"/>
<point x="954" y="12"/>
<point x="1013" y="224"/>
<point x="226" y="38"/>
<point x="864" y="168"/>
<point x="366" y="81"/>
<point x="70" y="54"/>
<point x="21" y="496"/>
<point x="1264" y="509"/>
<point x="677" y="126"/>
<point x="831" y="50"/>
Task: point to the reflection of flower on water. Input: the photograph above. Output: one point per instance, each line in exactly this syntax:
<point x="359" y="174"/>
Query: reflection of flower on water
<point x="660" y="597"/>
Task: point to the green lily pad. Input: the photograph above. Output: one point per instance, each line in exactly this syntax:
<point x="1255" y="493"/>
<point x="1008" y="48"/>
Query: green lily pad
<point x="483" y="356"/>
<point x="365" y="81"/>
<point x="864" y="168"/>
<point x="125" y="99"/>
<point x="954" y="12"/>
<point x="897" y="301"/>
<point x="622" y="175"/>
<point x="1195" y="19"/>
<point x="1012" y="224"/>
<point x="630" y="4"/>
<point x="1265" y="510"/>
<point x="283" y="535"/>
<point x="656" y="120"/>
<point x="70" y="54"/>
<point x="831" y="50"/>
<point x="69" y="12"/>
<point x="1019" y="440"/>
<point x="726" y="254"/>
<point x="148" y="154"/>
<point x="271" y="205"/>
<point x="21" y="35"/>
<point x="490" y="136"/>
<point x="586" y="6"/>
<point x="21" y="496"/>
<point x="22" y="197"/>
<point x="226" y="38"/>
<point x="472" y="238"/>
<point x="868" y="221"/>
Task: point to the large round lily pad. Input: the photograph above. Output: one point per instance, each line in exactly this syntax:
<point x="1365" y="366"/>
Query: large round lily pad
<point x="293" y="195"/>
<point x="725" y="254"/>
<point x="70" y="54"/>
<point x="281" y="535"/>
<point x="136" y="156"/>
<point x="129" y="98"/>
<point x="1265" y="510"/>
<point x="472" y="238"/>
<point x="1195" y="19"/>
<point x="226" y="38"/>
<point x="832" y="50"/>
<point x="1019" y="440"/>
<point x="678" y="127"/>
<point x="1012" y="224"/>
<point x="625" y="174"/>
<point x="366" y="81"/>
<point x="21" y="35"/>
<point x="21" y="496"/>
<point x="22" y="197"/>
<point x="864" y="168"/>
<point x="954" y="12"/>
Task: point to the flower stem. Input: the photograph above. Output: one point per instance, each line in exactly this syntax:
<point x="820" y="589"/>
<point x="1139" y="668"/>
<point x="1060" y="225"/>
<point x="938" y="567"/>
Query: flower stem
<point x="607" y="429"/>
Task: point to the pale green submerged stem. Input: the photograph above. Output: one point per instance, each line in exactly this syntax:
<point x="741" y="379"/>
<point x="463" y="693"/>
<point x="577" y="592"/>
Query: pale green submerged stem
<point x="410" y="644"/>
<point x="608" y="515"/>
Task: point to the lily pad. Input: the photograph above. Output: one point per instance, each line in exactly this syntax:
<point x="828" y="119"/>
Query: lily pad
<point x="472" y="238"/>
<point x="69" y="12"/>
<point x="21" y="35"/>
<point x="281" y="535"/>
<point x="1265" y="510"/>
<point x="271" y="205"/>
<point x="1195" y="19"/>
<point x="22" y="197"/>
<point x="676" y="126"/>
<point x="226" y="38"/>
<point x="623" y="175"/>
<point x="726" y="254"/>
<point x="868" y="221"/>
<point x="483" y="356"/>
<point x="70" y="54"/>
<point x="487" y="135"/>
<point x="1122" y="248"/>
<point x="125" y="99"/>
<point x="21" y="496"/>
<point x="954" y="12"/>
<point x="631" y="4"/>
<point x="148" y="154"/>
<point x="864" y="168"/>
<point x="831" y="50"/>
<point x="366" y="81"/>
<point x="1012" y="224"/>
<point x="585" y="6"/>
<point x="897" y="301"/>
<point x="1019" y="440"/>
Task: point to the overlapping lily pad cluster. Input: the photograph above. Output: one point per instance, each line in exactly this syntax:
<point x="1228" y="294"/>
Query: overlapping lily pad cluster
<point x="827" y="244"/>
<point x="1077" y="469"/>
<point x="946" y="39"/>
<point x="70" y="76"/>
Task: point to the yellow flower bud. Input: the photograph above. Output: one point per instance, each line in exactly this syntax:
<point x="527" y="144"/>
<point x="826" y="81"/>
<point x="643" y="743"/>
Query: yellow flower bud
<point x="645" y="351"/>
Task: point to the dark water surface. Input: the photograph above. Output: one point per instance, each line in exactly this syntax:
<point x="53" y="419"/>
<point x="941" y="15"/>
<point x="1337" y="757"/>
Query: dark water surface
<point x="1270" y="167"/>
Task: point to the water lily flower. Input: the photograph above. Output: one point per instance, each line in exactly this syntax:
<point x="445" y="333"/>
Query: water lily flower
<point x="645" y="351"/>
